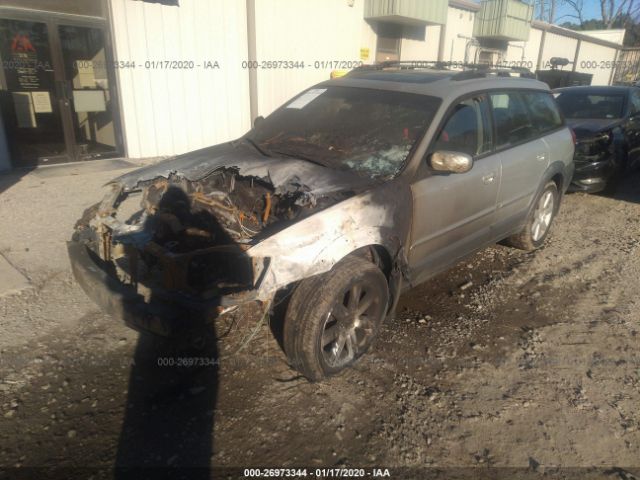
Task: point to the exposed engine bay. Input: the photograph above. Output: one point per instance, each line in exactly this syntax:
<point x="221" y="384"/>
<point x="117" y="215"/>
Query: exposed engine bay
<point x="191" y="236"/>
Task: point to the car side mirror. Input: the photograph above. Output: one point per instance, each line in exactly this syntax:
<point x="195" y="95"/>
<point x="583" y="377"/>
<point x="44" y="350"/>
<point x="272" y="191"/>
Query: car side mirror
<point x="257" y="121"/>
<point x="451" y="162"/>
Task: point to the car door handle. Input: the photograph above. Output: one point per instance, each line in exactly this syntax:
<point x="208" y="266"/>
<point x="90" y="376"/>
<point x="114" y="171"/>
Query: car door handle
<point x="488" y="178"/>
<point x="541" y="157"/>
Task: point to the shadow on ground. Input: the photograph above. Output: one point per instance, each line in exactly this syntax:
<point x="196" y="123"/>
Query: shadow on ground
<point x="173" y="383"/>
<point x="8" y="179"/>
<point x="168" y="424"/>
<point x="629" y="188"/>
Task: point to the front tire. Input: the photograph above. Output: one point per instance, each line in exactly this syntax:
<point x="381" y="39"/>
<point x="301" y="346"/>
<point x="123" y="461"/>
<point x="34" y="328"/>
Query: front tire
<point x="535" y="231"/>
<point x="333" y="318"/>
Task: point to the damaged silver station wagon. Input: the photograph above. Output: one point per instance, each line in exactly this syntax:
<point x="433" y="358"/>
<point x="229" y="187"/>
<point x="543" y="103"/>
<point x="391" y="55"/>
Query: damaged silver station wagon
<point x="356" y="189"/>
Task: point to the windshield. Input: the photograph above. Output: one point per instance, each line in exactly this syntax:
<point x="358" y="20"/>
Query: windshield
<point x="588" y="105"/>
<point x="369" y="132"/>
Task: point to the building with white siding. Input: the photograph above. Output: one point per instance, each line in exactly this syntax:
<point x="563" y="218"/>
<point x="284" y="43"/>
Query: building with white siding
<point x="91" y="79"/>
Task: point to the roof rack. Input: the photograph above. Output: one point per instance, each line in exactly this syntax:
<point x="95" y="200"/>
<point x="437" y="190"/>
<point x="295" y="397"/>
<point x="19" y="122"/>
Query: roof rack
<point x="480" y="71"/>
<point x="406" y="65"/>
<point x="469" y="70"/>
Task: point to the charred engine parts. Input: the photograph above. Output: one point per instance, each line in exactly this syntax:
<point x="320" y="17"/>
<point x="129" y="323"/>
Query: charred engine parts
<point x="191" y="236"/>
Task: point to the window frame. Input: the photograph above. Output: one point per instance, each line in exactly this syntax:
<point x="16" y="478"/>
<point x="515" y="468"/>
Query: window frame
<point x="529" y="109"/>
<point x="631" y="111"/>
<point x="430" y="149"/>
<point x="489" y="127"/>
<point x="539" y="135"/>
<point x="447" y="116"/>
<point x="528" y="114"/>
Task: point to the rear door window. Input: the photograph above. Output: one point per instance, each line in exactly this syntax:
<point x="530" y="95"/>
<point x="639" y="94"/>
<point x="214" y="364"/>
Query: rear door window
<point x="468" y="128"/>
<point x="512" y="120"/>
<point x="544" y="112"/>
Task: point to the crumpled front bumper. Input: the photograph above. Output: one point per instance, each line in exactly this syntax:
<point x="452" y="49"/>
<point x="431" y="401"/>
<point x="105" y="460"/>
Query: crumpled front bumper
<point x="592" y="177"/>
<point x="163" y="314"/>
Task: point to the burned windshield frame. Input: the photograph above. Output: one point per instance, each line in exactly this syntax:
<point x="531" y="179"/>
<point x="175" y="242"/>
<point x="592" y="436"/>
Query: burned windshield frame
<point x="403" y="119"/>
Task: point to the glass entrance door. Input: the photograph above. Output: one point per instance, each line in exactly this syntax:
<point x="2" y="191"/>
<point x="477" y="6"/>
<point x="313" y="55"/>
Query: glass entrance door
<point x="56" y="95"/>
<point x="29" y="106"/>
<point x="86" y="87"/>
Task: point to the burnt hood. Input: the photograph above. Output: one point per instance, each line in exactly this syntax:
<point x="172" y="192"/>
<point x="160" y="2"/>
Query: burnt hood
<point x="285" y="174"/>
<point x="587" y="126"/>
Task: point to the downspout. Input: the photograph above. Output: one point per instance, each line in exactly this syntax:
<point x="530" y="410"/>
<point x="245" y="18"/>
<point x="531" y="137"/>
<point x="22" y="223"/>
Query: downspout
<point x="441" y="40"/>
<point x="252" y="57"/>
<point x="471" y="42"/>
<point x="540" y="52"/>
<point x="575" y="58"/>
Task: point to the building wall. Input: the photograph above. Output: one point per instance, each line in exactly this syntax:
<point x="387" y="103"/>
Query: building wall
<point x="558" y="46"/>
<point x="321" y="33"/>
<point x="595" y="59"/>
<point x="525" y="53"/>
<point x="173" y="111"/>
<point x="420" y="42"/>
<point x="168" y="112"/>
<point x="615" y="35"/>
<point x="459" y="22"/>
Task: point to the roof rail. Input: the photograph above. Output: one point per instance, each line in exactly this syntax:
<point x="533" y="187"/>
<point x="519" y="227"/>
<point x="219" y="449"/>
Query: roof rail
<point x="469" y="70"/>
<point x="406" y="65"/>
<point x="480" y="71"/>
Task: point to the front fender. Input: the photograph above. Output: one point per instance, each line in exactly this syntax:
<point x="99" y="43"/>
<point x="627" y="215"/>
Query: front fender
<point x="316" y="244"/>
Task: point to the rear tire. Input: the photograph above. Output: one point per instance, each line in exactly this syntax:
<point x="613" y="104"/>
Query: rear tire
<point x="538" y="224"/>
<point x="333" y="318"/>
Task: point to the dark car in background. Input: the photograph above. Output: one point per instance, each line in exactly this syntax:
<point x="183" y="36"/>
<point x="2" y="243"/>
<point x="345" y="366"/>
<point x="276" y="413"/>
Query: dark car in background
<point x="606" y="122"/>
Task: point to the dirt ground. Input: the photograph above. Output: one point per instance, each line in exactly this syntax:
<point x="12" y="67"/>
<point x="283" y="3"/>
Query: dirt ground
<point x="511" y="360"/>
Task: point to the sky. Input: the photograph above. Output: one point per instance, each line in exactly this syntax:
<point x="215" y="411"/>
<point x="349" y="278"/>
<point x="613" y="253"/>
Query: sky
<point x="591" y="10"/>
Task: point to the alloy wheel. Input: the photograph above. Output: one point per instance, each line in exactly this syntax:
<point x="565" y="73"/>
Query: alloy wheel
<point x="542" y="215"/>
<point x="350" y="325"/>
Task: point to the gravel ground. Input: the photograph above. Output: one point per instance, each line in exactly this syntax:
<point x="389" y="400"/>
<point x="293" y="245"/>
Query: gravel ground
<point x="510" y="360"/>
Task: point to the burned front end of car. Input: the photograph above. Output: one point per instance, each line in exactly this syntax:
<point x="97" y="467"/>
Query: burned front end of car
<point x="169" y="253"/>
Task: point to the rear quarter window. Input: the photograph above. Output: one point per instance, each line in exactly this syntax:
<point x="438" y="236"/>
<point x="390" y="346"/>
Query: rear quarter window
<point x="512" y="119"/>
<point x="545" y="115"/>
<point x="522" y="116"/>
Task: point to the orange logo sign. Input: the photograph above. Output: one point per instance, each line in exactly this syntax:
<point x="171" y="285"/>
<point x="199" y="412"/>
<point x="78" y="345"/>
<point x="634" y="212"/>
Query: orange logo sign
<point x="21" y="43"/>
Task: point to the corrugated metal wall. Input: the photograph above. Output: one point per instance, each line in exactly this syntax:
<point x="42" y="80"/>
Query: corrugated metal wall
<point x="558" y="46"/>
<point x="173" y="111"/>
<point x="526" y="52"/>
<point x="459" y="22"/>
<point x="309" y="31"/>
<point x="420" y="42"/>
<point x="170" y="111"/>
<point x="595" y="59"/>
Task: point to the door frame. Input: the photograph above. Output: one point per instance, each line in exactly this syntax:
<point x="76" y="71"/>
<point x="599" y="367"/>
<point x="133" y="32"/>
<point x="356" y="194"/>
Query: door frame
<point x="52" y="20"/>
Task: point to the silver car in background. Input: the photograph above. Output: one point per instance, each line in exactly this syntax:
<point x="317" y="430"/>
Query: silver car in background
<point x="356" y="189"/>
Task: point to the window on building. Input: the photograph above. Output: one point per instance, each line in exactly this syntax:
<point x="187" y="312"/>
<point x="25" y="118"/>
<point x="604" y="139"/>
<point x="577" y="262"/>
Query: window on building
<point x="388" y="44"/>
